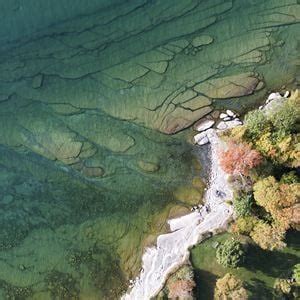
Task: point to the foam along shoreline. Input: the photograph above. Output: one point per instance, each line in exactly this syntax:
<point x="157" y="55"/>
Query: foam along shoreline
<point x="172" y="249"/>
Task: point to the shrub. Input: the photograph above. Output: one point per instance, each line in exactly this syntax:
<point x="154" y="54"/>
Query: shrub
<point x="289" y="178"/>
<point x="243" y="205"/>
<point x="230" y="253"/>
<point x="256" y="123"/>
<point x="244" y="225"/>
<point x="181" y="283"/>
<point x="296" y="273"/>
<point x="181" y="289"/>
<point x="284" y="119"/>
<point x="230" y="287"/>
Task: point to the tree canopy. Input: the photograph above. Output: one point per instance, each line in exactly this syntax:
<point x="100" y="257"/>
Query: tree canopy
<point x="230" y="253"/>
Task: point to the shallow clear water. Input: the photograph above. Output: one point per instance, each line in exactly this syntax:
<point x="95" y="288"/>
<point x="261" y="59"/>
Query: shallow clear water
<point x="93" y="100"/>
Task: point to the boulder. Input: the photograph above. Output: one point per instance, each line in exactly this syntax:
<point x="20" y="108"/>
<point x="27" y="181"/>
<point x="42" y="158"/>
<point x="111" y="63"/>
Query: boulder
<point x="223" y="115"/>
<point x="203" y="141"/>
<point x="273" y="96"/>
<point x="286" y="94"/>
<point x="222" y="125"/>
<point x="234" y="123"/>
<point x="147" y="166"/>
<point x="230" y="113"/>
<point x="202" y="125"/>
<point x="199" y="137"/>
<point x="227" y="119"/>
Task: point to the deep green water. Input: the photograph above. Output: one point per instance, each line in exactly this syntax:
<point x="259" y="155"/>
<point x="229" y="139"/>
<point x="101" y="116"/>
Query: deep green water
<point x="94" y="98"/>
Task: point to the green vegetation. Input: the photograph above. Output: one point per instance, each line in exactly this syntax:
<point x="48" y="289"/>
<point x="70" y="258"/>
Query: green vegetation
<point x="259" y="271"/>
<point x="261" y="158"/>
<point x="230" y="253"/>
<point x="262" y="153"/>
<point x="256" y="123"/>
<point x="243" y="205"/>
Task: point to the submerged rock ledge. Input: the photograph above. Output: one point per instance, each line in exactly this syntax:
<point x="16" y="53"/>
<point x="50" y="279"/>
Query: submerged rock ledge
<point x="172" y="249"/>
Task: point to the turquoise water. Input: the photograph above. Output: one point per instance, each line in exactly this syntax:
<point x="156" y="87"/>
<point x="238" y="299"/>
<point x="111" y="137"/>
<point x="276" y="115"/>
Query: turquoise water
<point x="95" y="102"/>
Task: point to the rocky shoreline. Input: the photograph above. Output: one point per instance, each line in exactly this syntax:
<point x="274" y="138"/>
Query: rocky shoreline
<point x="172" y="249"/>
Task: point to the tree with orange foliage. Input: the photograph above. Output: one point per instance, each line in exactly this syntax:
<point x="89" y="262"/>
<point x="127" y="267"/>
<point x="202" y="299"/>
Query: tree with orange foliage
<point x="182" y="289"/>
<point x="239" y="159"/>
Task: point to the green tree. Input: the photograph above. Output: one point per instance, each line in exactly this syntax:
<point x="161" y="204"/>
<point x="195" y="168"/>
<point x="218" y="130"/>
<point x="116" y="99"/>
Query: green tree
<point x="256" y="123"/>
<point x="285" y="118"/>
<point x="243" y="205"/>
<point x="296" y="273"/>
<point x="289" y="178"/>
<point x="230" y="253"/>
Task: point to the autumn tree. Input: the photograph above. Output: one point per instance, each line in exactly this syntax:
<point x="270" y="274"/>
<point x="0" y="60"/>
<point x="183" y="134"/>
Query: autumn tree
<point x="182" y="289"/>
<point x="238" y="159"/>
<point x="277" y="198"/>
<point x="267" y="236"/>
<point x="244" y="225"/>
<point x="180" y="285"/>
<point x="230" y="253"/>
<point x="230" y="287"/>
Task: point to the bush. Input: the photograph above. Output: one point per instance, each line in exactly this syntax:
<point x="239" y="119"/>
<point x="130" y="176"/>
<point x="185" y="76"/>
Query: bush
<point x="230" y="287"/>
<point x="296" y="273"/>
<point x="284" y="119"/>
<point x="243" y="205"/>
<point x="256" y="123"/>
<point x="244" y="225"/>
<point x="289" y="178"/>
<point x="230" y="253"/>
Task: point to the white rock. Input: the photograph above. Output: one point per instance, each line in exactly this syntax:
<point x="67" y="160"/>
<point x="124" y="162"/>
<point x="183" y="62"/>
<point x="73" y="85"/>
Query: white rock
<point x="238" y="120"/>
<point x="229" y="112"/>
<point x="223" y="115"/>
<point x="198" y="137"/>
<point x="203" y="125"/>
<point x="227" y="119"/>
<point x="261" y="107"/>
<point x="286" y="94"/>
<point x="273" y="96"/>
<point x="234" y="123"/>
<point x="203" y="141"/>
<point x="222" y="125"/>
